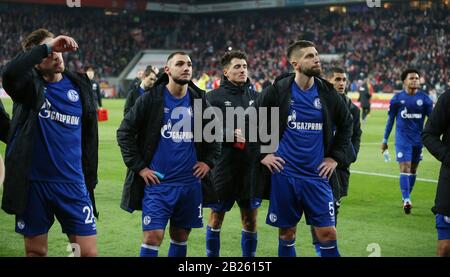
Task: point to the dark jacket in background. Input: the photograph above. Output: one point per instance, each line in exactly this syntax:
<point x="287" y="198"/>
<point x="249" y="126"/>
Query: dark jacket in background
<point x="97" y="94"/>
<point x="4" y="124"/>
<point x="356" y="133"/>
<point x="233" y="172"/>
<point x="364" y="96"/>
<point x="26" y="87"/>
<point x="133" y="95"/>
<point x="138" y="137"/>
<point x="439" y="124"/>
<point x="335" y="113"/>
<point x="340" y="188"/>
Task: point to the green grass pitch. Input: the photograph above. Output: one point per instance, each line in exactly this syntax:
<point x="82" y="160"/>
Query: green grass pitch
<point x="371" y="214"/>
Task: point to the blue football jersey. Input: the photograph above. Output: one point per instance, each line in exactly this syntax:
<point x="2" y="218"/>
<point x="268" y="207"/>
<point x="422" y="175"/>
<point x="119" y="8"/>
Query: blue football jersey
<point x="57" y="141"/>
<point x="410" y="112"/>
<point x="175" y="155"/>
<point x="301" y="145"/>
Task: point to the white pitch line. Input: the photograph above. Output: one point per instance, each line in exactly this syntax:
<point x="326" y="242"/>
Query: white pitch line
<point x="390" y="176"/>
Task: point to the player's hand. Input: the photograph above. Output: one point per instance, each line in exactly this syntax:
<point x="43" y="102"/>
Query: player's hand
<point x="273" y="162"/>
<point x="149" y="176"/>
<point x="200" y="169"/>
<point x="384" y="147"/>
<point x="238" y="135"/>
<point x="63" y="44"/>
<point x="327" y="167"/>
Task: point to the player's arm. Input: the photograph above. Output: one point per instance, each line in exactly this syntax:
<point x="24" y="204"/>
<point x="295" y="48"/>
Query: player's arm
<point x="213" y="101"/>
<point x="127" y="134"/>
<point x="211" y="150"/>
<point x="268" y="98"/>
<point x="131" y="99"/>
<point x="99" y="95"/>
<point x="357" y="132"/>
<point x="428" y="106"/>
<point x="437" y="124"/>
<point x="18" y="75"/>
<point x="392" y="113"/>
<point x="344" y="129"/>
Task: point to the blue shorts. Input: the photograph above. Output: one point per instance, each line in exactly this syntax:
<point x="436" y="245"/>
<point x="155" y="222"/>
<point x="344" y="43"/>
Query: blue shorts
<point x="181" y="203"/>
<point x="408" y="153"/>
<point x="291" y="197"/>
<point x="70" y="203"/>
<point x="249" y="204"/>
<point x="443" y="226"/>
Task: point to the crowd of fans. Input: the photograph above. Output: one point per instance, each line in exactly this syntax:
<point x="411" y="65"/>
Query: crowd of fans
<point x="372" y="43"/>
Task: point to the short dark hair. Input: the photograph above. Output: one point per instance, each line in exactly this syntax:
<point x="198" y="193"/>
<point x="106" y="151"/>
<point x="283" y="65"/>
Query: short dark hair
<point x="149" y="70"/>
<point x="335" y="70"/>
<point x="35" y="38"/>
<point x="176" y="53"/>
<point x="228" y="56"/>
<point x="408" y="71"/>
<point x="298" y="45"/>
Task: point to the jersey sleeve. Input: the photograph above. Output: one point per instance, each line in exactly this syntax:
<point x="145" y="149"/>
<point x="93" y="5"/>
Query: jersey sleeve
<point x="428" y="105"/>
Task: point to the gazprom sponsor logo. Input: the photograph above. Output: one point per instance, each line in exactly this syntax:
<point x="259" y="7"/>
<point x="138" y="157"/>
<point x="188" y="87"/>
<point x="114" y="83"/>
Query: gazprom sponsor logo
<point x="166" y="132"/>
<point x="307" y="126"/>
<point x="404" y="114"/>
<point x="46" y="112"/>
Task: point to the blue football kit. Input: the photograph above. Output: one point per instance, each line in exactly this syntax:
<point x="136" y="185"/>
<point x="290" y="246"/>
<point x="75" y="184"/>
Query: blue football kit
<point x="410" y="112"/>
<point x="57" y="186"/>
<point x="179" y="196"/>
<point x="298" y="188"/>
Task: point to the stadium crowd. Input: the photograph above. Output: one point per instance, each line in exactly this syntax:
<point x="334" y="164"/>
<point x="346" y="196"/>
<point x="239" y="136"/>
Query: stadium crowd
<point x="371" y="44"/>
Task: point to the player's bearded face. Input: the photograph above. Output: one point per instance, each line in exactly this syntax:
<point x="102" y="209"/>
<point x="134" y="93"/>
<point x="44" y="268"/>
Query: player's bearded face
<point x="179" y="69"/>
<point x="309" y="62"/>
<point x="313" y="71"/>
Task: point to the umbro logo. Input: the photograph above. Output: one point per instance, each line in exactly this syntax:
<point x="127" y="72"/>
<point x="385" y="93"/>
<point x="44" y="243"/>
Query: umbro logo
<point x="227" y="103"/>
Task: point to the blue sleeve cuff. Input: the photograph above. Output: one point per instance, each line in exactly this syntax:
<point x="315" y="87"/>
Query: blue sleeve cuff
<point x="385" y="141"/>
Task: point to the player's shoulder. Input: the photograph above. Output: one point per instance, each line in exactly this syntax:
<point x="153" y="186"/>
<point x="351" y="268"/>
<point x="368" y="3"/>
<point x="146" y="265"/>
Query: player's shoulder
<point x="425" y="97"/>
<point x="397" y="96"/>
<point x="213" y="95"/>
<point x="423" y="94"/>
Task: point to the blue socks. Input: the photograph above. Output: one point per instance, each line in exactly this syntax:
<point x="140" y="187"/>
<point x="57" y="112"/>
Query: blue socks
<point x="404" y="185"/>
<point x="412" y="181"/>
<point x="149" y="251"/>
<point x="249" y="241"/>
<point x="329" y="249"/>
<point x="177" y="249"/>
<point x="317" y="248"/>
<point x="212" y="242"/>
<point x="286" y="248"/>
